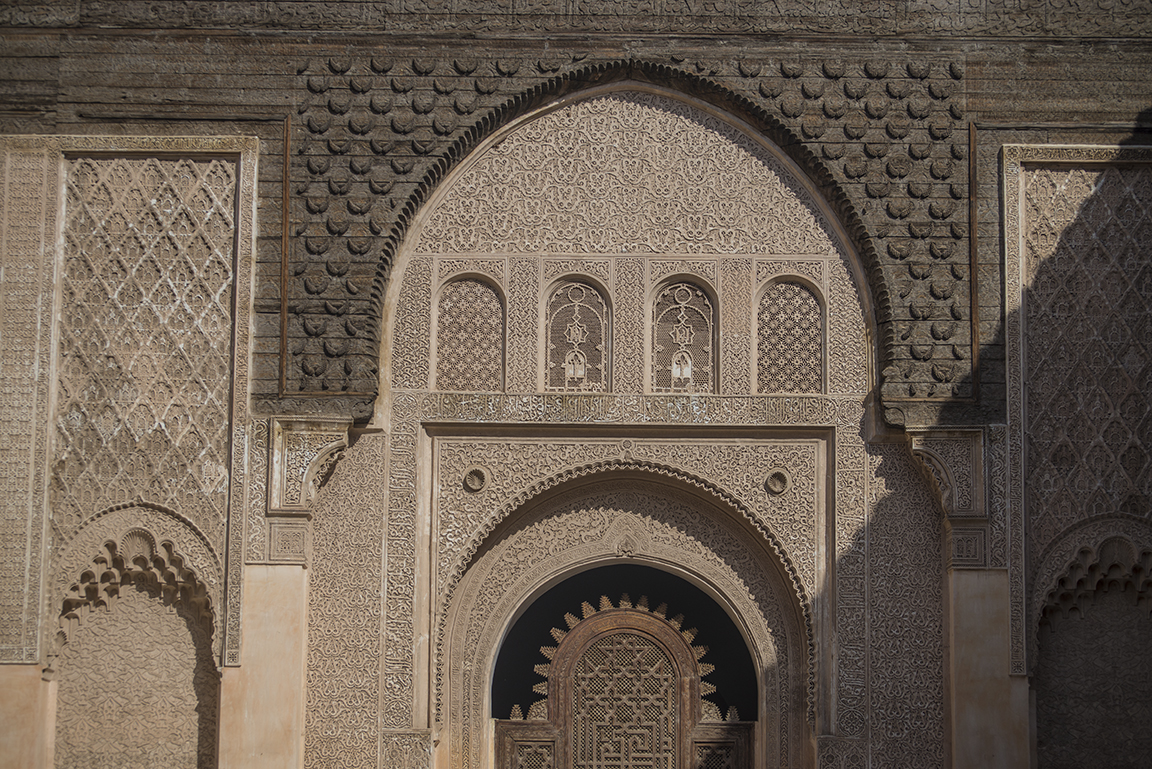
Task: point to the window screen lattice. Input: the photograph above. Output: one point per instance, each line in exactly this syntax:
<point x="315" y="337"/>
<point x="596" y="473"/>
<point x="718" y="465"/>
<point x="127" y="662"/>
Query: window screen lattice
<point x="682" y="347"/>
<point x="790" y="354"/>
<point x="624" y="706"/>
<point x="533" y="755"/>
<point x="577" y="335"/>
<point x="470" y="338"/>
<point x="715" y="757"/>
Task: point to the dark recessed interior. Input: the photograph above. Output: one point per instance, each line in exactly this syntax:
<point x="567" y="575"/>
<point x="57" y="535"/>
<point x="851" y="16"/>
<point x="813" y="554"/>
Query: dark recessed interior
<point x="734" y="676"/>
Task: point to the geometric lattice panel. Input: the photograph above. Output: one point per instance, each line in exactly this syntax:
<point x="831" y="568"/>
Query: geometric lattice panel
<point x="470" y="338"/>
<point x="144" y="374"/>
<point x="624" y="705"/>
<point x="137" y="687"/>
<point x="1088" y="326"/>
<point x="789" y="353"/>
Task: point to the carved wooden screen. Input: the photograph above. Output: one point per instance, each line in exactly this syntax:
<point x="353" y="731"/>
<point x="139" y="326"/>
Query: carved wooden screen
<point x="470" y="338"/>
<point x="683" y="352"/>
<point x="623" y="691"/>
<point x="624" y="705"/>
<point x="577" y="339"/>
<point x="790" y="340"/>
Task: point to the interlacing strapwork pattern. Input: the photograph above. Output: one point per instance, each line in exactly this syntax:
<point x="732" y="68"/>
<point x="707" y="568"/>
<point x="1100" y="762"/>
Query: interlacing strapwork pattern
<point x="533" y="755"/>
<point x="715" y="757"/>
<point x="137" y="687"/>
<point x="144" y="375"/>
<point x="790" y="349"/>
<point x="577" y="336"/>
<point x="683" y="350"/>
<point x="1087" y="237"/>
<point x="470" y="338"/>
<point x="624" y="705"/>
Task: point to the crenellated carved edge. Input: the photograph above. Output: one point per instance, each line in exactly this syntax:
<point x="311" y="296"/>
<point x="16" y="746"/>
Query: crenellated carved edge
<point x="304" y="452"/>
<point x="1101" y="554"/>
<point x="137" y="556"/>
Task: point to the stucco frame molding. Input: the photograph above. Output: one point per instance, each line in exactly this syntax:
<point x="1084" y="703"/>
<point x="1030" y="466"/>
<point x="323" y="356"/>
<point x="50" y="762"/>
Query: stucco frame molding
<point x="41" y="200"/>
<point x="1014" y="159"/>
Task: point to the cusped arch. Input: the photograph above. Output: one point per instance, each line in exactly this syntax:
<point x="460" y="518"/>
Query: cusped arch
<point x="138" y="539"/>
<point x="739" y="113"/>
<point x="600" y="519"/>
<point x="136" y="628"/>
<point x="1084" y="558"/>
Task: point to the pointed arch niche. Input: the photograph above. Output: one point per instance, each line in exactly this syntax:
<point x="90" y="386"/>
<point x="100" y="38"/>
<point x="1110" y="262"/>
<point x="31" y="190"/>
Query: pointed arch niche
<point x="636" y="188"/>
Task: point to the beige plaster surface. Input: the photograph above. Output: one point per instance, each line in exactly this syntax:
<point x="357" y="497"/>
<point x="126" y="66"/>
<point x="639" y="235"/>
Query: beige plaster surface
<point x="262" y="700"/>
<point x="27" y="703"/>
<point x="989" y="707"/>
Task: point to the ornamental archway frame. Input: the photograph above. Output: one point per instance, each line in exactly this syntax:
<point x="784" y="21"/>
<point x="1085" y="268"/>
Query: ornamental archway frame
<point x="632" y="516"/>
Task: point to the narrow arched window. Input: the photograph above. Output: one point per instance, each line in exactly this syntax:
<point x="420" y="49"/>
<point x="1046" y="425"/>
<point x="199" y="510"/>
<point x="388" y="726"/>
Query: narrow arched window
<point x="790" y="340"/>
<point x="683" y="344"/>
<point x="470" y="338"/>
<point x="577" y="336"/>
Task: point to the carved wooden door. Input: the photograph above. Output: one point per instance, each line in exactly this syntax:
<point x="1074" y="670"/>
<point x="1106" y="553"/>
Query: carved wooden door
<point x="623" y="692"/>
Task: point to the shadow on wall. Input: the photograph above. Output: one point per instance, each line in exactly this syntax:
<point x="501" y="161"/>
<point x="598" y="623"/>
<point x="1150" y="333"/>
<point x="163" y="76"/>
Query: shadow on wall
<point x="1086" y="325"/>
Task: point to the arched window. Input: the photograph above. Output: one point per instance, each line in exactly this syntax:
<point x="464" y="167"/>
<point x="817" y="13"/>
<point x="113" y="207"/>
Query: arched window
<point x="577" y="335"/>
<point x="470" y="338"/>
<point x="683" y="344"/>
<point x="790" y="340"/>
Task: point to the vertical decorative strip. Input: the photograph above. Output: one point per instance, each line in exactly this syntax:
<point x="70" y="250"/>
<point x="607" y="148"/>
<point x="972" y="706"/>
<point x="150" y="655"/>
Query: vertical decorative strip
<point x="523" y="304"/>
<point x="27" y="238"/>
<point x="628" y="326"/>
<point x="736" y="315"/>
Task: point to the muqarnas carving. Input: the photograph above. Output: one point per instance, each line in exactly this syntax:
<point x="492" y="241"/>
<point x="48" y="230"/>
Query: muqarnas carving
<point x="134" y="660"/>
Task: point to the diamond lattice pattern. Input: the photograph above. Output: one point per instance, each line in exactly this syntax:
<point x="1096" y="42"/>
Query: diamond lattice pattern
<point x="1089" y="324"/>
<point x="470" y="338"/>
<point x="789" y="353"/>
<point x="145" y="338"/>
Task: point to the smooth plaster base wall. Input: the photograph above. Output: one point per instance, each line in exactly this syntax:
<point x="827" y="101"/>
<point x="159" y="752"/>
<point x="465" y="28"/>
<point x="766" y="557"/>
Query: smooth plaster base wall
<point x="262" y="701"/>
<point x="27" y="717"/>
<point x="989" y="707"/>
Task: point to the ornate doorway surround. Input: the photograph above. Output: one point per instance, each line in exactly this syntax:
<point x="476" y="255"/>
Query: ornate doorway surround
<point x="628" y="513"/>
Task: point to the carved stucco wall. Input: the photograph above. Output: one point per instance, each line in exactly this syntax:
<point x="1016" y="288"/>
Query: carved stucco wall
<point x="631" y="189"/>
<point x="376" y="132"/>
<point x="137" y="686"/>
<point x="600" y="520"/>
<point x="381" y="667"/>
<point x="1078" y="231"/>
<point x="146" y="359"/>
